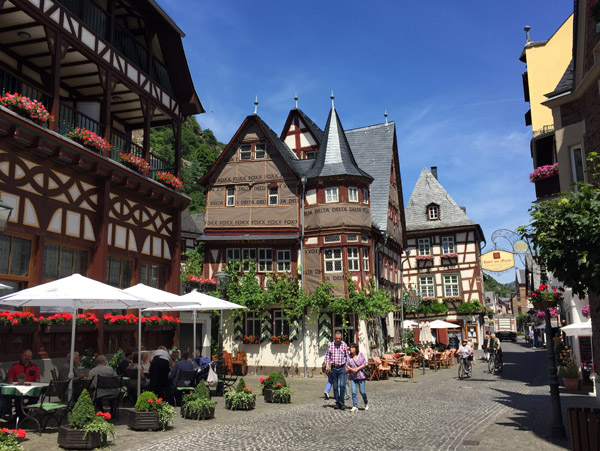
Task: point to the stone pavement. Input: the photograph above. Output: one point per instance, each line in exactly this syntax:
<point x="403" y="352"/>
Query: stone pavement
<point x="434" y="411"/>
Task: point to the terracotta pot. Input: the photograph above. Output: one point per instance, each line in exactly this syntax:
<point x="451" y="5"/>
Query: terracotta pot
<point x="74" y="439"/>
<point x="143" y="421"/>
<point x="571" y="383"/>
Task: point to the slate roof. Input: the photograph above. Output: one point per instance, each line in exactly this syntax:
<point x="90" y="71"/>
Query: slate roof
<point x="566" y="82"/>
<point x="285" y="151"/>
<point x="192" y="223"/>
<point x="373" y="149"/>
<point x="335" y="156"/>
<point x="427" y="191"/>
<point x="314" y="128"/>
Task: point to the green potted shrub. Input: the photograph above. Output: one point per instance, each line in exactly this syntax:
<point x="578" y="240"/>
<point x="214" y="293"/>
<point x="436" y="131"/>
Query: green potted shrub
<point x="570" y="375"/>
<point x="277" y="383"/>
<point x="87" y="429"/>
<point x="282" y="395"/>
<point x="198" y="405"/>
<point x="151" y="413"/>
<point x="9" y="439"/>
<point x="241" y="398"/>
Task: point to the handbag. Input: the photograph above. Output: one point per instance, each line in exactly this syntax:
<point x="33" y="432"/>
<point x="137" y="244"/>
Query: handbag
<point x="366" y="372"/>
<point x="212" y="378"/>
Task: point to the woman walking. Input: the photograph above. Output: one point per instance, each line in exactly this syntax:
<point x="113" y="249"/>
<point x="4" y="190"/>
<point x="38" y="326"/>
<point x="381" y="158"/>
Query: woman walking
<point x="355" y="366"/>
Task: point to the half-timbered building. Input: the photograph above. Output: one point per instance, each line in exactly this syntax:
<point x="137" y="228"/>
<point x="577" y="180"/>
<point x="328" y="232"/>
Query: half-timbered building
<point x="110" y="67"/>
<point x="327" y="201"/>
<point x="444" y="263"/>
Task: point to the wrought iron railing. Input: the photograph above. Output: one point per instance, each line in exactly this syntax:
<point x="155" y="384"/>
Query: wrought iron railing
<point x="69" y="118"/>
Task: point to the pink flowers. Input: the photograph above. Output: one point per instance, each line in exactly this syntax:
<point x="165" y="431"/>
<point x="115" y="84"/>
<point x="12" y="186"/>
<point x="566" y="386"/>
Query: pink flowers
<point x="424" y="257"/>
<point x="169" y="179"/>
<point x="191" y="278"/>
<point x="89" y="139"/>
<point x="33" y="108"/>
<point x="450" y="255"/>
<point x="141" y="164"/>
<point x="543" y="172"/>
<point x="585" y="311"/>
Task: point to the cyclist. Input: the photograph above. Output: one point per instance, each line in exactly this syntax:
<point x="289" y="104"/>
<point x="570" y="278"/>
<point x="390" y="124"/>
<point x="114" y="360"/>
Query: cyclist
<point x="495" y="349"/>
<point x="466" y="352"/>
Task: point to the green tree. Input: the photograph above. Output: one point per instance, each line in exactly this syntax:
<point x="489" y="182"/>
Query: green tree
<point x="566" y="233"/>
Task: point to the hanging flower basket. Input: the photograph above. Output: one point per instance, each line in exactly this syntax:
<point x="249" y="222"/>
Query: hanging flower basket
<point x="29" y="108"/>
<point x="543" y="172"/>
<point x="168" y="179"/>
<point x="134" y="162"/>
<point x="544" y="297"/>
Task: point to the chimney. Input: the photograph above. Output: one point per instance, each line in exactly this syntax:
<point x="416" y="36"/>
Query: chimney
<point x="464" y="209"/>
<point x="434" y="171"/>
<point x="527" y="28"/>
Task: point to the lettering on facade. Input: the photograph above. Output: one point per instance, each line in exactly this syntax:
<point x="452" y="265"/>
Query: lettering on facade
<point x="216" y="203"/>
<point x="312" y="251"/>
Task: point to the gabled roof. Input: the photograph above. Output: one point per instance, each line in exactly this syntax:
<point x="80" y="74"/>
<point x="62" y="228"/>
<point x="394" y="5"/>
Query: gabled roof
<point x="335" y="157"/>
<point x="314" y="128"/>
<point x="427" y="191"/>
<point x="373" y="148"/>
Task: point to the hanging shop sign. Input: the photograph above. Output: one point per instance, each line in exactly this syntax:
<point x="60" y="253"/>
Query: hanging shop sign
<point x="497" y="261"/>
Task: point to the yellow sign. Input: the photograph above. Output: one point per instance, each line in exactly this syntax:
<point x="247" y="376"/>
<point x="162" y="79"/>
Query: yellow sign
<point x="497" y="261"/>
<point x="520" y="247"/>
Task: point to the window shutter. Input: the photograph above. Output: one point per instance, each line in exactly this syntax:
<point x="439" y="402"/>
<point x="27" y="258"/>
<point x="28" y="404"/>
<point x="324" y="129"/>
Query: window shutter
<point x="324" y="330"/>
<point x="266" y="329"/>
<point x="294" y="328"/>
<point x="238" y="327"/>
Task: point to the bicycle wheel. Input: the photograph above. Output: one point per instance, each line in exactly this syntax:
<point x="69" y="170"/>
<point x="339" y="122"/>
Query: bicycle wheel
<point x="491" y="365"/>
<point x="461" y="371"/>
<point x="470" y="370"/>
<point x="499" y="367"/>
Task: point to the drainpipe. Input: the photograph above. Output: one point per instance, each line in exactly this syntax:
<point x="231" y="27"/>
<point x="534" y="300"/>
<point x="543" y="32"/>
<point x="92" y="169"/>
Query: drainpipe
<point x="303" y="181"/>
<point x="402" y="294"/>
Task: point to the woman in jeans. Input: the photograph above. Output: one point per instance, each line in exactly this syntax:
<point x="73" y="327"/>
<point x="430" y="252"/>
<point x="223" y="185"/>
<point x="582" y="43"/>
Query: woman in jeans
<point x="355" y="365"/>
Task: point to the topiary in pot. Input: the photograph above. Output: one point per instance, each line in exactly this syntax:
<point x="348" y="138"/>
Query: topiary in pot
<point x="241" y="398"/>
<point x="144" y="418"/>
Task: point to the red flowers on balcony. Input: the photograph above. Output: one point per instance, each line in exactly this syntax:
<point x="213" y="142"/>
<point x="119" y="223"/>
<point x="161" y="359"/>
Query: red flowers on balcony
<point x="170" y="180"/>
<point x="32" y="109"/>
<point x="89" y="139"/>
<point x="109" y="318"/>
<point x="134" y="162"/>
<point x="543" y="172"/>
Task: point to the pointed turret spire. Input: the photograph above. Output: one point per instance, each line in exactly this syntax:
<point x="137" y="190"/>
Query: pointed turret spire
<point x="385" y="115"/>
<point x="256" y="105"/>
<point x="296" y="99"/>
<point x="332" y="97"/>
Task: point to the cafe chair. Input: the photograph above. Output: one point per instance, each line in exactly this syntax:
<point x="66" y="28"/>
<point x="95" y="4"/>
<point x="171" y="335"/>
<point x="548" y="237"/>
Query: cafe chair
<point x="113" y="383"/>
<point x="185" y="383"/>
<point x="45" y="410"/>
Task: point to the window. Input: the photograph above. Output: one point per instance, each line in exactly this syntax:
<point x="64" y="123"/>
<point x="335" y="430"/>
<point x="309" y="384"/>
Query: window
<point x="230" y="197"/>
<point x="424" y="246"/>
<point x="345" y="324"/>
<point x="63" y="261"/>
<point x="332" y="238"/>
<point x="451" y="287"/>
<point x="233" y="255"/>
<point x="248" y="256"/>
<point x="333" y="259"/>
<point x="433" y="212"/>
<point x="310" y="155"/>
<point x="273" y="195"/>
<point x="259" y="151"/>
<point x="331" y="194"/>
<point x="253" y="324"/>
<point x="448" y="246"/>
<point x="281" y="326"/>
<point x="364" y="238"/>
<point x="245" y="151"/>
<point x="352" y="237"/>
<point x="578" y="164"/>
<point x="353" y="259"/>
<point x="118" y="272"/>
<point x="365" y="258"/>
<point x="365" y="196"/>
<point x="427" y="286"/>
<point x="352" y="194"/>
<point x="284" y="260"/>
<point x="153" y="275"/>
<point x="265" y="260"/>
<point x="14" y="255"/>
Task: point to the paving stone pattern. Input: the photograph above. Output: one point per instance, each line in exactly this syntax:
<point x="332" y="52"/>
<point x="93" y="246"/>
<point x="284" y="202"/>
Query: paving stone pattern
<point x="435" y="411"/>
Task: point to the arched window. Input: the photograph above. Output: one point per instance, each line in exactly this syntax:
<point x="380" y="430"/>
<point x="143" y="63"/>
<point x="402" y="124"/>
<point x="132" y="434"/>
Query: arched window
<point x="433" y="212"/>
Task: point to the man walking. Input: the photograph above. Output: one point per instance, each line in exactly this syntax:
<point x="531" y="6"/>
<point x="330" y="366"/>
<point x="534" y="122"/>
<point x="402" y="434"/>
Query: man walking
<point x="335" y="360"/>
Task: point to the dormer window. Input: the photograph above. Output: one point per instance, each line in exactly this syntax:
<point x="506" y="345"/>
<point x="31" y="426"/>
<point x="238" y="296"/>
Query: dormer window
<point x="254" y="151"/>
<point x="433" y="212"/>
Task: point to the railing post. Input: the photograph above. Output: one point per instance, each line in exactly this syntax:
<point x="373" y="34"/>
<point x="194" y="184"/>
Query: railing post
<point x="58" y="51"/>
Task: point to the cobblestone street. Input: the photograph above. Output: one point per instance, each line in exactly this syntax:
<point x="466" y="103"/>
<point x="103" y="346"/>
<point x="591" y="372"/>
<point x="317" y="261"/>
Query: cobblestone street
<point x="433" y="411"/>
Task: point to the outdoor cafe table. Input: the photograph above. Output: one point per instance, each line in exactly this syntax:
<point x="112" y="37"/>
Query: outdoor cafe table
<point x="33" y="389"/>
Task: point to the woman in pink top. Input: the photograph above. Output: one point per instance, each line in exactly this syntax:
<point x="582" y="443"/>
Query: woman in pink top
<point x="355" y="365"/>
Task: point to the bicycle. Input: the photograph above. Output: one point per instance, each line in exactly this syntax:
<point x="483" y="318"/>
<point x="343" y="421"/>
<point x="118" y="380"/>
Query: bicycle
<point x="464" y="369"/>
<point x="495" y="365"/>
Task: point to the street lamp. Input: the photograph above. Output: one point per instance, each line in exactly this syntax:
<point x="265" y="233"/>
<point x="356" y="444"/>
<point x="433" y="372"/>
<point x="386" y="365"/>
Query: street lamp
<point x="402" y="295"/>
<point x="222" y="279"/>
<point x="5" y="211"/>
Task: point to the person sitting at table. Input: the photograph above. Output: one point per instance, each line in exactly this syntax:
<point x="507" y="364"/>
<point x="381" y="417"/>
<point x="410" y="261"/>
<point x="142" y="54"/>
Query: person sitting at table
<point x="145" y="362"/>
<point x="124" y="364"/>
<point x="102" y="369"/>
<point x="63" y="374"/>
<point x="159" y="372"/>
<point x="26" y="367"/>
<point x="175" y="355"/>
<point x="134" y="365"/>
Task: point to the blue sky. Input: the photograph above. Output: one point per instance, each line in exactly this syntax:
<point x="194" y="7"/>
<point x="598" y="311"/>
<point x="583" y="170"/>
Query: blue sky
<point x="448" y="73"/>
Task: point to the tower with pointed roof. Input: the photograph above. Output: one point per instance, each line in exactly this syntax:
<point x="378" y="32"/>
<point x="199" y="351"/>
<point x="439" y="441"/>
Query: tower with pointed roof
<point x="444" y="264"/>
<point x="328" y="202"/>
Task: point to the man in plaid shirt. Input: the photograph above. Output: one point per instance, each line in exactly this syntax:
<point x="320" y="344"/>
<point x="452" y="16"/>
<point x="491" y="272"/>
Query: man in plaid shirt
<point x="335" y="360"/>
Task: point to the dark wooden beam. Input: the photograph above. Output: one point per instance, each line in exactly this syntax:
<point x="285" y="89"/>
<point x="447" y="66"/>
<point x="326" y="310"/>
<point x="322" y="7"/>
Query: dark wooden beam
<point x="46" y="54"/>
<point x="26" y="42"/>
<point x="7" y="10"/>
<point x="75" y="76"/>
<point x="19" y="27"/>
<point x="90" y="85"/>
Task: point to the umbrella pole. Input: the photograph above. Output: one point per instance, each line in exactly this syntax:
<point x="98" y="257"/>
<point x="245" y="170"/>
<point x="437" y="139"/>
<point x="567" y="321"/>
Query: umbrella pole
<point x="139" y="373"/>
<point x="195" y="316"/>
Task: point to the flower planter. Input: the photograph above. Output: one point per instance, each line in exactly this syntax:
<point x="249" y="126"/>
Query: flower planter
<point x="76" y="439"/>
<point x="286" y="399"/>
<point x="24" y="328"/>
<point x="449" y="261"/>
<point x="57" y="328"/>
<point x="268" y="394"/>
<point x="4" y="328"/>
<point x="206" y="414"/>
<point x="113" y="327"/>
<point x="152" y="327"/>
<point x="129" y="327"/>
<point x="425" y="264"/>
<point x="542" y="305"/>
<point x="286" y="342"/>
<point x="86" y="328"/>
<point x="269" y="397"/>
<point x="167" y="327"/>
<point x="250" y="406"/>
<point x="571" y="383"/>
<point x="143" y="421"/>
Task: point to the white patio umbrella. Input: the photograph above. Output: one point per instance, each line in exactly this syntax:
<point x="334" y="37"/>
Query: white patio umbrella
<point x="202" y="302"/>
<point x="75" y="292"/>
<point x="439" y="324"/>
<point x="5" y="287"/>
<point x="409" y="323"/>
<point x="425" y="333"/>
<point x="581" y="330"/>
